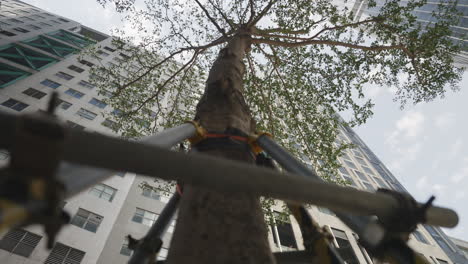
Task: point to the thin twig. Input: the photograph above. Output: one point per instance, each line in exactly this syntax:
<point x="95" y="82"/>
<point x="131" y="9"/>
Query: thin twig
<point x="262" y="13"/>
<point x="222" y="31"/>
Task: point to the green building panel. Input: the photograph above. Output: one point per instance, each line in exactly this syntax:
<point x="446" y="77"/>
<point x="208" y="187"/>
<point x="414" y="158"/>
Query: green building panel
<point x="72" y="38"/>
<point x="9" y="75"/>
<point x="26" y="57"/>
<point x="51" y="46"/>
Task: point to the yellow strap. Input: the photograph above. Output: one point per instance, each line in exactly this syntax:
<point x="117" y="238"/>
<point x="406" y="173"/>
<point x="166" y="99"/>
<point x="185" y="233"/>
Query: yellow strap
<point x="12" y="214"/>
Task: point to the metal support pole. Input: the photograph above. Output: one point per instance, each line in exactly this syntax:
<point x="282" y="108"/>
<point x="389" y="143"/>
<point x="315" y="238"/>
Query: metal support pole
<point x="366" y="227"/>
<point x="116" y="154"/>
<point x="153" y="239"/>
<point x="79" y="177"/>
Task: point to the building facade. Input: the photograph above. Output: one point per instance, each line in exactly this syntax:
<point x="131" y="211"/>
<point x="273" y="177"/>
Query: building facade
<point x="38" y="55"/>
<point x="424" y="15"/>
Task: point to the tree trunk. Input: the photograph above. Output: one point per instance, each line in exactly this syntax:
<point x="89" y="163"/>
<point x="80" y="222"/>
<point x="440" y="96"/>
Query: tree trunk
<point x="214" y="227"/>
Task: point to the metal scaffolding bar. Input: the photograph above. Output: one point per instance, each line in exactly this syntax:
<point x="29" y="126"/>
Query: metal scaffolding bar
<point x="369" y="231"/>
<point x="153" y="239"/>
<point x="79" y="177"/>
<point x="96" y="150"/>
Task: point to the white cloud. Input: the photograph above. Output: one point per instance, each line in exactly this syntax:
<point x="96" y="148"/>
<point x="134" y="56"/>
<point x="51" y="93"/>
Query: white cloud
<point x="402" y="142"/>
<point x="461" y="173"/>
<point x="455" y="149"/>
<point x="445" y="120"/>
<point x="421" y="183"/>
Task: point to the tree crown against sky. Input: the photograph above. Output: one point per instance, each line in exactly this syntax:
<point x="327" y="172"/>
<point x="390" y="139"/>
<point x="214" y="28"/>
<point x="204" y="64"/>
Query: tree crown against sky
<point x="307" y="61"/>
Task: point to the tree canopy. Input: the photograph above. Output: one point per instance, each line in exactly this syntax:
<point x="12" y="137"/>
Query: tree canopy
<point x="308" y="60"/>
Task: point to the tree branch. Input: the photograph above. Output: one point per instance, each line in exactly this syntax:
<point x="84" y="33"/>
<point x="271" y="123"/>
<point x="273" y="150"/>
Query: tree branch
<point x="223" y="15"/>
<point x="325" y="42"/>
<point x="213" y="43"/>
<point x="374" y="19"/>
<point x="262" y="13"/>
<point x="195" y="55"/>
<point x="252" y="11"/>
<point x="222" y="31"/>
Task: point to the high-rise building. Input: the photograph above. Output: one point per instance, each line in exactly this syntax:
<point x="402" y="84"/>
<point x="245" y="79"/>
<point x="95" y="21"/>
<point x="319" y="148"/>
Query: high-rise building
<point x="38" y="56"/>
<point x="424" y="15"/>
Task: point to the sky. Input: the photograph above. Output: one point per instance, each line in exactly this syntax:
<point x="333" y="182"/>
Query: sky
<point x="425" y="146"/>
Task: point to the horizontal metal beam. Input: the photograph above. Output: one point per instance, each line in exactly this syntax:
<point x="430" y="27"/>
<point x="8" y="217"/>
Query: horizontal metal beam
<point x="77" y="178"/>
<point x="96" y="150"/>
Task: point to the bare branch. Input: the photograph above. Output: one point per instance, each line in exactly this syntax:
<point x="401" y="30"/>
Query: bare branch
<point x="213" y="43"/>
<point x="222" y="31"/>
<point x="223" y="15"/>
<point x="374" y="19"/>
<point x="195" y="55"/>
<point x="262" y="13"/>
<point x="326" y="42"/>
<point x="291" y="32"/>
<point x="252" y="11"/>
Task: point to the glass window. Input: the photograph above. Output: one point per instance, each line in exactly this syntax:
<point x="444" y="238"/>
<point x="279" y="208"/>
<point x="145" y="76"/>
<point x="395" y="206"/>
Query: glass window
<point x="14" y="20"/>
<point x="125" y="250"/>
<point x="86" y="84"/>
<point x="63" y="20"/>
<point x="103" y="191"/>
<point x="109" y="49"/>
<point x="117" y="112"/>
<point x="33" y="27"/>
<point x="20" y="242"/>
<point x="361" y="175"/>
<point x="361" y="161"/>
<point x="357" y="153"/>
<point x="22" y="30"/>
<point x="54" y="21"/>
<point x="86" y="220"/>
<point x="45" y="24"/>
<point x="380" y="182"/>
<point x="368" y="170"/>
<point x="98" y="103"/>
<point x="50" y="84"/>
<point x="420" y="237"/>
<point x="105" y="54"/>
<point x="86" y="114"/>
<point x="74" y="125"/>
<point x="110" y="124"/>
<point x="15" y="104"/>
<point x="350" y="164"/>
<point x="285" y="233"/>
<point x="38" y="16"/>
<point x="87" y="63"/>
<point x="7" y="33"/>
<point x="344" y="247"/>
<point x="3" y="23"/>
<point x="325" y="210"/>
<point x="368" y="186"/>
<point x="34" y="93"/>
<point x="64" y="76"/>
<point x="62" y="104"/>
<point x="154" y="194"/>
<point x="144" y="217"/>
<point x="63" y="254"/>
<point x="344" y="171"/>
<point x="76" y="68"/>
<point x="74" y="93"/>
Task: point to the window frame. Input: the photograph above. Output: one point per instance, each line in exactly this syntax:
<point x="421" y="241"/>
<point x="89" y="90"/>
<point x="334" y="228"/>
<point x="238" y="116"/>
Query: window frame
<point x="34" y="93"/>
<point x="85" y="219"/>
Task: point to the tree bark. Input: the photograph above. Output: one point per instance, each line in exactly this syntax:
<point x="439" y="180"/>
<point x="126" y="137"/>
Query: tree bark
<point x="215" y="227"/>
